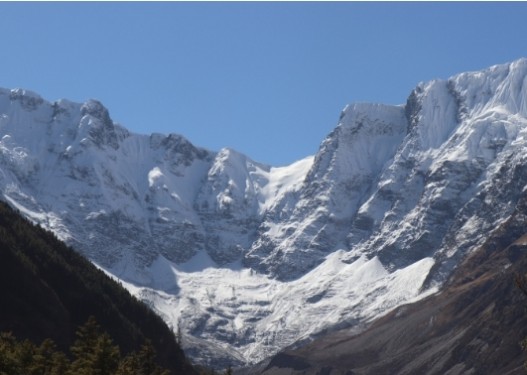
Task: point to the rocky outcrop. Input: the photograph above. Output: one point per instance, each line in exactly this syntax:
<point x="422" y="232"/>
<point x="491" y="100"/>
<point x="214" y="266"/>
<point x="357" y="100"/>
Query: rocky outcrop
<point x="474" y="326"/>
<point x="393" y="201"/>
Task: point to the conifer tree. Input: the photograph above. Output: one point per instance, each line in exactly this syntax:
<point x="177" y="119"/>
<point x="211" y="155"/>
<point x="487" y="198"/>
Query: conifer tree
<point x="47" y="360"/>
<point x="94" y="352"/>
<point x="8" y="360"/>
<point x="141" y="363"/>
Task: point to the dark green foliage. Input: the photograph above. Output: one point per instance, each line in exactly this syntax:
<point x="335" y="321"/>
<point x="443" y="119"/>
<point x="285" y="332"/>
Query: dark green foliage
<point x="48" y="290"/>
<point x="47" y="360"/>
<point x="93" y="353"/>
<point x="9" y="363"/>
<point x="23" y="357"/>
<point x="141" y="363"/>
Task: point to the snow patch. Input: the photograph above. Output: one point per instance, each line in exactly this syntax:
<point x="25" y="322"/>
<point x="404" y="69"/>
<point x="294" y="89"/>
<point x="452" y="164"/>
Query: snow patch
<point x="154" y="175"/>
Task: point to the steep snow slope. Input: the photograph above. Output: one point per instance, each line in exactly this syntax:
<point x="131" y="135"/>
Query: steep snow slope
<point x="247" y="258"/>
<point x="296" y="237"/>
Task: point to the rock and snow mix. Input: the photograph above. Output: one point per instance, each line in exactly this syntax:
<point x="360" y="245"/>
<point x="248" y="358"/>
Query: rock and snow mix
<point x="253" y="315"/>
<point x="245" y="258"/>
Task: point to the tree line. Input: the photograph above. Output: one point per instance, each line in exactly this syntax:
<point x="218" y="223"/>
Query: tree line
<point x="92" y="353"/>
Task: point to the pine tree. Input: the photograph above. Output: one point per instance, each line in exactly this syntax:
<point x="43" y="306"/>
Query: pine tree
<point x="26" y="358"/>
<point x="141" y="363"/>
<point x="94" y="352"/>
<point x="147" y="360"/>
<point x="8" y="359"/>
<point x="47" y="360"/>
<point x="128" y="365"/>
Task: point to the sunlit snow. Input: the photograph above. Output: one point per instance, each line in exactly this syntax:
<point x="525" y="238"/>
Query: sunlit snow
<point x="266" y="314"/>
<point x="246" y="258"/>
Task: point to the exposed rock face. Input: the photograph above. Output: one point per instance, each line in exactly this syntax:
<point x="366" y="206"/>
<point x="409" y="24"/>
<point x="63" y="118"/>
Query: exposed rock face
<point x="344" y="172"/>
<point x="474" y="326"/>
<point x="248" y="256"/>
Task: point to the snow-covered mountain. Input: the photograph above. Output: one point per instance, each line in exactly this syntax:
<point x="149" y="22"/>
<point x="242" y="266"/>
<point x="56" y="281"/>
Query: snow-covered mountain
<point x="246" y="258"/>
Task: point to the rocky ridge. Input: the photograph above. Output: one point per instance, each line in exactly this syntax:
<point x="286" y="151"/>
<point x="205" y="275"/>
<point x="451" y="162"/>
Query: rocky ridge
<point x="251" y="255"/>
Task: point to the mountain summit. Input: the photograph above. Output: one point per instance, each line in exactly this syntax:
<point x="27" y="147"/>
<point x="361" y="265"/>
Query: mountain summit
<point x="254" y="258"/>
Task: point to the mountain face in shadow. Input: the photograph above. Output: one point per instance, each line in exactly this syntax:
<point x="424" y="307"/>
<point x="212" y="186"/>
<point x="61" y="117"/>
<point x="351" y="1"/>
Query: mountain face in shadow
<point x="48" y="291"/>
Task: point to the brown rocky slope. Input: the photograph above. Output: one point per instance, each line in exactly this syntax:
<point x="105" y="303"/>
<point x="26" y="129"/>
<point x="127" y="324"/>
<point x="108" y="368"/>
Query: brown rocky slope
<point x="474" y="326"/>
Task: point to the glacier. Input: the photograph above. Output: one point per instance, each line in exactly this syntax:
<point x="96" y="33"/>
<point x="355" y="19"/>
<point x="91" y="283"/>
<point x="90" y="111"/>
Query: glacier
<point x="246" y="259"/>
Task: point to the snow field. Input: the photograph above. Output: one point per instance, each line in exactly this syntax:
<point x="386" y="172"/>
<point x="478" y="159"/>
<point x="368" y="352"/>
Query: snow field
<point x="262" y="315"/>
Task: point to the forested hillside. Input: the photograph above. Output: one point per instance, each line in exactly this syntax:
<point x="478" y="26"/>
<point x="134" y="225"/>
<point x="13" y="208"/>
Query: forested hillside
<point x="48" y="291"/>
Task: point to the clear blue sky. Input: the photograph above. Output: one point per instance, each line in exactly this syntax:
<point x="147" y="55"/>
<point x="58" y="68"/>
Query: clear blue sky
<point x="267" y="79"/>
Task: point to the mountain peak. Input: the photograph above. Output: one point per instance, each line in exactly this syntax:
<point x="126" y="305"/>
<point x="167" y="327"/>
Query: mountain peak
<point x="393" y="200"/>
<point x="95" y="108"/>
<point x="102" y="130"/>
<point x="29" y="100"/>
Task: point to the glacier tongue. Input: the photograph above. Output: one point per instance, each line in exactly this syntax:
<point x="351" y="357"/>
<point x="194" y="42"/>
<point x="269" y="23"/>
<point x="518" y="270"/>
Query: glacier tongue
<point x="253" y="316"/>
<point x="246" y="258"/>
